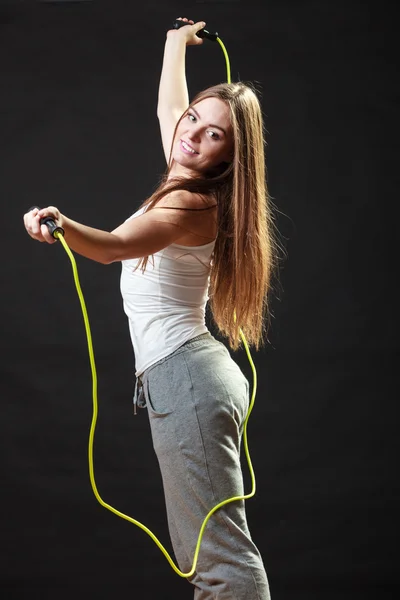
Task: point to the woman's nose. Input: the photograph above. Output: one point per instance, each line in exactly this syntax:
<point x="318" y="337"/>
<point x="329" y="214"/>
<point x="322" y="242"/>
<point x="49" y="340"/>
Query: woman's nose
<point x="194" y="133"/>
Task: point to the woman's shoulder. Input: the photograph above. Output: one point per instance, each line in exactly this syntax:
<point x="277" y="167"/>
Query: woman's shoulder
<point x="193" y="212"/>
<point x="186" y="200"/>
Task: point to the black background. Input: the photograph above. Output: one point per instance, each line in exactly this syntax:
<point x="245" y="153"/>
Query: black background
<point x="78" y="103"/>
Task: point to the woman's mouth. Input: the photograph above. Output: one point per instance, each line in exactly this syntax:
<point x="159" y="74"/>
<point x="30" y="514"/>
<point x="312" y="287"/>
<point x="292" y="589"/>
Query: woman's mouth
<point x="186" y="148"/>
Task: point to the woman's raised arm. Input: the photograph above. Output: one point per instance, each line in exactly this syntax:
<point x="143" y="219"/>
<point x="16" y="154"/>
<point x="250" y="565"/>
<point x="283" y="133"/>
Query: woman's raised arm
<point x="173" y="97"/>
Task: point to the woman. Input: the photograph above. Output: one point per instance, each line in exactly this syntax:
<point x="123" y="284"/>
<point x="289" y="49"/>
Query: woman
<point x="204" y="237"/>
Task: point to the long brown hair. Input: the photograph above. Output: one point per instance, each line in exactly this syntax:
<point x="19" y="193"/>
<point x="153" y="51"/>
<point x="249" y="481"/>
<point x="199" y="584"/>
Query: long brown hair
<point x="245" y="252"/>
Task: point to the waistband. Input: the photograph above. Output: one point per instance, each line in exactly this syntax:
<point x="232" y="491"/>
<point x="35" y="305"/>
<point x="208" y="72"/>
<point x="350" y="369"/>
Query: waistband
<point x="138" y="396"/>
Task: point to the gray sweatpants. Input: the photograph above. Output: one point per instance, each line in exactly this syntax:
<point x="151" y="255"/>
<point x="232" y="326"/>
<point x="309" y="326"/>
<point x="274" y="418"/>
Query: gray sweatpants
<point x="197" y="399"/>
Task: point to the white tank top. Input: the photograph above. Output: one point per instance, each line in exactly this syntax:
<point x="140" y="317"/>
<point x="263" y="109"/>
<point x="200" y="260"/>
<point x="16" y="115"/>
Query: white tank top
<point x="166" y="304"/>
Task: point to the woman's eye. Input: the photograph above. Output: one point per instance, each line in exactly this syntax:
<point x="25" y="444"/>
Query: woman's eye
<point x="191" y="117"/>
<point x="213" y="135"/>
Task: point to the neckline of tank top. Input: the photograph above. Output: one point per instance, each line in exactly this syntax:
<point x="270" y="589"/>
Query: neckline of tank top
<point x="192" y="247"/>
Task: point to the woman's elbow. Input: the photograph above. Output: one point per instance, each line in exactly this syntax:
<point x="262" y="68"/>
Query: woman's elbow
<point x="113" y="252"/>
<point x="109" y="258"/>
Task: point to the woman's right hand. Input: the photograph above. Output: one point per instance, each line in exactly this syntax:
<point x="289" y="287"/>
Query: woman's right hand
<point x="188" y="32"/>
<point x="35" y="229"/>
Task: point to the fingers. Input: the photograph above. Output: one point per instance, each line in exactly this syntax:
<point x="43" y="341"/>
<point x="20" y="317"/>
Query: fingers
<point x="49" y="211"/>
<point x="29" y="215"/>
<point x="190" y="33"/>
<point x="199" y="25"/>
<point x="185" y="19"/>
<point x="33" y="227"/>
<point x="46" y="234"/>
<point x="31" y="222"/>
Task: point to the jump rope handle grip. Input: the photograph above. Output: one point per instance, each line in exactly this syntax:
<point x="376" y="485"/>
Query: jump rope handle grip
<point x="203" y="33"/>
<point x="51" y="224"/>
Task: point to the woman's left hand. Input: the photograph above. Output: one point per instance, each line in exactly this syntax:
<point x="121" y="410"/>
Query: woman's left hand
<point x="35" y="229"/>
<point x="189" y="33"/>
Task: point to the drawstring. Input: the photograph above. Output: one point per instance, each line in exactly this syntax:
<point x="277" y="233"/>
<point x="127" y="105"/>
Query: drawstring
<point x="139" y="399"/>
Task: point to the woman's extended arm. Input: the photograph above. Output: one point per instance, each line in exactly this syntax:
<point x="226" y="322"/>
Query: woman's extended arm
<point x="173" y="98"/>
<point x="140" y="236"/>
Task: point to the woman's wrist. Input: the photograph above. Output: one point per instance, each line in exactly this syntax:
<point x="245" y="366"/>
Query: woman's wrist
<point x="175" y="38"/>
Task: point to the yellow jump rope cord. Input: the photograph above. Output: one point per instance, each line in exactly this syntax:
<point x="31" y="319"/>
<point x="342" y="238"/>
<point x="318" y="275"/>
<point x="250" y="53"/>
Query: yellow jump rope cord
<point x="228" y="66"/>
<point x="60" y="237"/>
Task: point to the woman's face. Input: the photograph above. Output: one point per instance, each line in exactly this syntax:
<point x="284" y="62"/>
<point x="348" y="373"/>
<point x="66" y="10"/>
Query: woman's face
<point x="204" y="136"/>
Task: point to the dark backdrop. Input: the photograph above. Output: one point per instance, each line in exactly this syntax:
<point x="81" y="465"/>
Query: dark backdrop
<point x="79" y="130"/>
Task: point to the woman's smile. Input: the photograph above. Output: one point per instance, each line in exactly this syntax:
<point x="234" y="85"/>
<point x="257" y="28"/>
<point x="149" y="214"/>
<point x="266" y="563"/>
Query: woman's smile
<point x="186" y="148"/>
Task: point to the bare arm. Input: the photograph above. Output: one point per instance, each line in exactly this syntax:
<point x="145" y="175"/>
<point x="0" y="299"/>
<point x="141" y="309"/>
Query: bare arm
<point x="140" y="236"/>
<point x="173" y="98"/>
